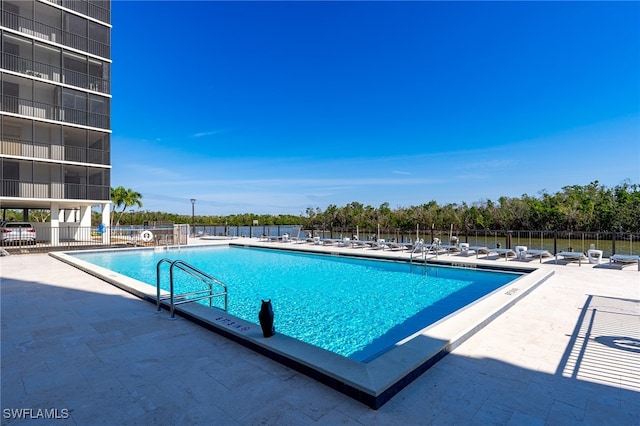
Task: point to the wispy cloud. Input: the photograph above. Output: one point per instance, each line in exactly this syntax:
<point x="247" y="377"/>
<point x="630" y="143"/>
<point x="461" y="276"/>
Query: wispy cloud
<point x="208" y="133"/>
<point x="319" y="182"/>
<point x="147" y="171"/>
<point x="399" y="172"/>
<point x="490" y="164"/>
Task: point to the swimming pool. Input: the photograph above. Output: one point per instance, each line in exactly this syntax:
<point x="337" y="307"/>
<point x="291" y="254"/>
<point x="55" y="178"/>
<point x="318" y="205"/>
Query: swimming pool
<point x="356" y="308"/>
<point x="384" y="370"/>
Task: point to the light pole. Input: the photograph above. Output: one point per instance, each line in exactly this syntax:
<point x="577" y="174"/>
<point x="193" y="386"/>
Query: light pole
<point x="193" y="216"/>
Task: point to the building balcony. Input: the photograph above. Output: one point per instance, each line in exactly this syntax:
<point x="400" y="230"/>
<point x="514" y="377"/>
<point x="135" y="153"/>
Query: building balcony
<point x="42" y="110"/>
<point x="53" y="73"/>
<point x="43" y="151"/>
<point x="53" y="34"/>
<point x="53" y="190"/>
<point x="99" y="10"/>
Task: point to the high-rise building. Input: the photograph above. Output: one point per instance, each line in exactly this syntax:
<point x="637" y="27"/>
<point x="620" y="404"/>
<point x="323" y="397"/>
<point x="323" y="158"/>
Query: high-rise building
<point x="56" y="108"/>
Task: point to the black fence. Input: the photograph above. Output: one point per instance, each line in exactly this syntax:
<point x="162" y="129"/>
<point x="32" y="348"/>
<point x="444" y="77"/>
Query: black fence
<point x="77" y="238"/>
<point x="73" y="237"/>
<point x="553" y="241"/>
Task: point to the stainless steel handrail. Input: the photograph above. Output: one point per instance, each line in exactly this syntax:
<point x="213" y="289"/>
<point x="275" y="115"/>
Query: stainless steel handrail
<point x="196" y="273"/>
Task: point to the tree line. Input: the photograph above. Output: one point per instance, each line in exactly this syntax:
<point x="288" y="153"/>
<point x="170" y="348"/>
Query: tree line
<point x="588" y="208"/>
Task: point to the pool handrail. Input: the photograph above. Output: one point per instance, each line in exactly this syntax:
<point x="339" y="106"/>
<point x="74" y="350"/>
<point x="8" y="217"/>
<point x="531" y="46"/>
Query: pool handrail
<point x="194" y="272"/>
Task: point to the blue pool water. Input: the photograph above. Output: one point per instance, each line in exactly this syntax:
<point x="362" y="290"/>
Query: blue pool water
<point x="354" y="307"/>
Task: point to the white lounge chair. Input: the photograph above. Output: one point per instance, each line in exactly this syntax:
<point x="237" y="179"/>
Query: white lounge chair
<point x="450" y="248"/>
<point x="502" y="252"/>
<point x="379" y="244"/>
<point x="329" y="241"/>
<point x="625" y="259"/>
<point x="345" y="242"/>
<point x="434" y="247"/>
<point x="478" y="250"/>
<point x="571" y="255"/>
<point x="359" y="244"/>
<point x="521" y="251"/>
<point x="396" y="246"/>
<point x="536" y="253"/>
<point x="594" y="256"/>
<point x="416" y="247"/>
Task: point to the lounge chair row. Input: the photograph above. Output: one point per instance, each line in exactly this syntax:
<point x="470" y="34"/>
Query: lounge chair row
<point x="519" y="252"/>
<point x="595" y="256"/>
<point x="380" y="244"/>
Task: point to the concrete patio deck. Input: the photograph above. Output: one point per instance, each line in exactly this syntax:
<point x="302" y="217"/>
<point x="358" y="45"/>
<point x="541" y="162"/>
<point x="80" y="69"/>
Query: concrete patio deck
<point x="79" y="348"/>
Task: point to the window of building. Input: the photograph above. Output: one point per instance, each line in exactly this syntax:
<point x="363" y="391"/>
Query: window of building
<point x="74" y="174"/>
<point x="98" y="140"/>
<point x="10" y="175"/>
<point x="11" y="132"/>
<point x="75" y="25"/>
<point x="75" y="137"/>
<point x="10" y="47"/>
<point x="46" y="134"/>
<point x="10" y="94"/>
<point x="75" y="31"/>
<point x="51" y="17"/>
<point x="47" y="61"/>
<point x="98" y="32"/>
<point x="74" y="104"/>
<point x="96" y="177"/>
<point x="75" y="69"/>
<point x="74" y="99"/>
<point x="75" y="62"/>
<point x="11" y="12"/>
<point x="17" y="54"/>
<point x="15" y="130"/>
<point x="10" y="170"/>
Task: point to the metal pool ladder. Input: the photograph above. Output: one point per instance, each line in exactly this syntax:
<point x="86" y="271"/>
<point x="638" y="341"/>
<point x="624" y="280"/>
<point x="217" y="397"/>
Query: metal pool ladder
<point x="179" y="299"/>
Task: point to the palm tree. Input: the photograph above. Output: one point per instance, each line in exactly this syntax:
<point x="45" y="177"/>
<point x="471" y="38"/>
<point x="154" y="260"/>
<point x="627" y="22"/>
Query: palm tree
<point x="125" y="198"/>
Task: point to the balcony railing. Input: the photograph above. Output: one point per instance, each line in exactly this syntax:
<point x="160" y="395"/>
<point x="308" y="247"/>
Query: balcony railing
<point x="53" y="34"/>
<point x="98" y="156"/>
<point x="52" y="73"/>
<point x="43" y="110"/>
<point x="23" y="148"/>
<point x="69" y="191"/>
<point x="86" y="8"/>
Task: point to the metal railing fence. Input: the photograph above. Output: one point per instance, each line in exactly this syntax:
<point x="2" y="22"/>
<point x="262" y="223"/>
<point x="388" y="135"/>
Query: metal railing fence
<point x="73" y="237"/>
<point x="70" y="236"/>
<point x="553" y="241"/>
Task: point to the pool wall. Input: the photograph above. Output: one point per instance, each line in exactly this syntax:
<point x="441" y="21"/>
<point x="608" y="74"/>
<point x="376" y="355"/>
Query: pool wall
<point x="373" y="383"/>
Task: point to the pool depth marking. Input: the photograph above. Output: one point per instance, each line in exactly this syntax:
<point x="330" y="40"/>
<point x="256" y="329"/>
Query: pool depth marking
<point x="232" y="323"/>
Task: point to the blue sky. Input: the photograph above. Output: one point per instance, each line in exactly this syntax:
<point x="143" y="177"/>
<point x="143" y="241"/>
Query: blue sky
<point x="274" y="107"/>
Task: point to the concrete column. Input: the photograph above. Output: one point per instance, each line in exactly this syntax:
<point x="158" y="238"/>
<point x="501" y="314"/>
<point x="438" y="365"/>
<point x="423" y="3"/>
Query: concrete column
<point x="106" y="216"/>
<point x="84" y="225"/>
<point x="85" y="216"/>
<point x="55" y="224"/>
